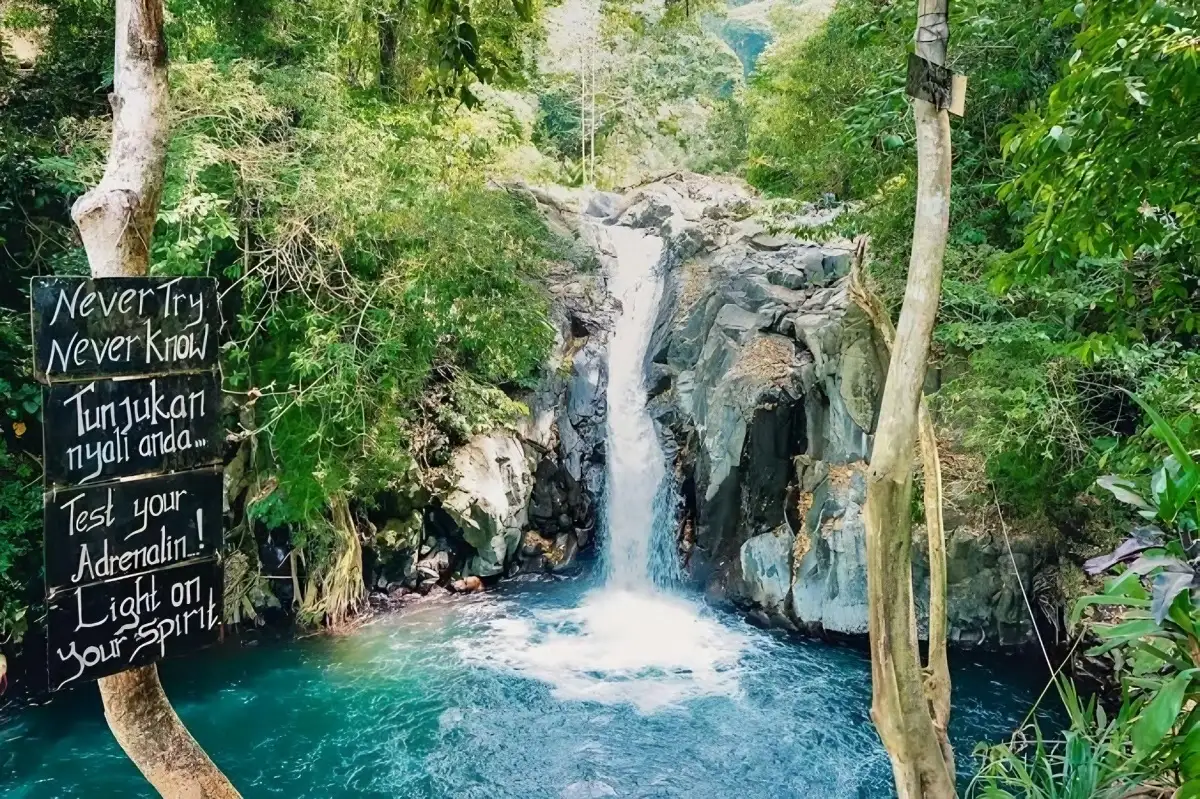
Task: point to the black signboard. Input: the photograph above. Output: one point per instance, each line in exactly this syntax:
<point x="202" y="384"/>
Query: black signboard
<point x="133" y="508"/>
<point x="105" y="327"/>
<point x="99" y="430"/>
<point x="114" y="530"/>
<point x="108" y="627"/>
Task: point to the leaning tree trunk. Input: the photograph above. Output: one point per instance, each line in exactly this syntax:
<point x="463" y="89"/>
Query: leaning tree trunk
<point x="116" y="221"/>
<point x="937" y="669"/>
<point x="900" y="709"/>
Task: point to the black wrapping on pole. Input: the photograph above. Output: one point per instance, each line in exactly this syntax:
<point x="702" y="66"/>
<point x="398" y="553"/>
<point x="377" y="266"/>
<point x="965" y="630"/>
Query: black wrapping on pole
<point x="928" y="81"/>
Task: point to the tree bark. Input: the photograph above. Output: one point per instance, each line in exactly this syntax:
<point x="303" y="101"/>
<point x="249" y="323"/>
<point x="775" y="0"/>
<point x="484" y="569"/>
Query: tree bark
<point x="116" y="222"/>
<point x="116" y="217"/>
<point x="900" y="708"/>
<point x="150" y="732"/>
<point x="937" y="669"/>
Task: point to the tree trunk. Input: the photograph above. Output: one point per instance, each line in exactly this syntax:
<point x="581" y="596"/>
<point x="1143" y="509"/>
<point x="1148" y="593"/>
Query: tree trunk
<point x="116" y="223"/>
<point x="147" y="728"/>
<point x="900" y="709"/>
<point x="389" y="42"/>
<point x="937" y="669"/>
<point x="116" y="217"/>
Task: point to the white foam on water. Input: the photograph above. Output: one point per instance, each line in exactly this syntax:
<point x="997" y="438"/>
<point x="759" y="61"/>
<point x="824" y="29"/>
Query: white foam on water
<point x="642" y="648"/>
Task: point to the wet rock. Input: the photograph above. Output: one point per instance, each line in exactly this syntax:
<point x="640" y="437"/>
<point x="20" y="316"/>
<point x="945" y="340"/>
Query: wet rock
<point x="489" y="499"/>
<point x="984" y="602"/>
<point x="534" y="545"/>
<point x="603" y="204"/>
<point x="765" y="241"/>
<point x="650" y="210"/>
<point x="436" y="565"/>
<point x="830" y="587"/>
<point x="836" y="262"/>
<point x="585" y="398"/>
<point x="659" y="380"/>
<point x="766" y="562"/>
<point x="562" y="556"/>
<point x="759" y="618"/>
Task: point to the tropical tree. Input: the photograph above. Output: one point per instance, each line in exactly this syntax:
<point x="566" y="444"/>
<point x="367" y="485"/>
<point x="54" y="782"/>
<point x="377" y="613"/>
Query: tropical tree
<point x="116" y="223"/>
<point x="910" y="717"/>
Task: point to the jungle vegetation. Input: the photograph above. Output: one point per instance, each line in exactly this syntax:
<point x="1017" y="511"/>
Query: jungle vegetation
<point x="377" y="297"/>
<point x="382" y="303"/>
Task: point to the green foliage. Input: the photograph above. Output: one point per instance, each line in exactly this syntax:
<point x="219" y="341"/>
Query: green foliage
<point x="1105" y="182"/>
<point x="1148" y="625"/>
<point x="1089" y="762"/>
<point x="367" y="259"/>
<point x="1107" y="167"/>
<point x="408" y="51"/>
<point x="379" y="298"/>
<point x="662" y="82"/>
<point x="20" y="485"/>
<point x="20" y="544"/>
<point x="819" y="104"/>
<point x="557" y="130"/>
<point x="1036" y="343"/>
<point x="65" y="85"/>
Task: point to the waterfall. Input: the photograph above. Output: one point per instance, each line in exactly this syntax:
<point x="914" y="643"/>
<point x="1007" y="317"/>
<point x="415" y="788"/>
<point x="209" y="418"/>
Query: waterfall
<point x="626" y="642"/>
<point x="636" y="464"/>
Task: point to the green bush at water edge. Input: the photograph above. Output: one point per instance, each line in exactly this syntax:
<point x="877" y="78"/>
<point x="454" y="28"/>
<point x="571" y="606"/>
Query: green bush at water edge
<point x="379" y="299"/>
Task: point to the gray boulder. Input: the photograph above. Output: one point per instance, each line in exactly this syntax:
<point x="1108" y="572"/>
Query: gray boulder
<point x="489" y="499"/>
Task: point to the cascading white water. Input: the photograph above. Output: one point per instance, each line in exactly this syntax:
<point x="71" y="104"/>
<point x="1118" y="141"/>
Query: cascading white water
<point x="635" y="457"/>
<point x="627" y="641"/>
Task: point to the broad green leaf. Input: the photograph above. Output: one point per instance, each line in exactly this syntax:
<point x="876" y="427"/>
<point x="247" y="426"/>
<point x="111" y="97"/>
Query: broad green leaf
<point x="1123" y="601"/>
<point x="1189" y="757"/>
<point x="1128" y="585"/>
<point x="1122" y="489"/>
<point x="1165" y="432"/>
<point x="1139" y="627"/>
<point x="1159" y="714"/>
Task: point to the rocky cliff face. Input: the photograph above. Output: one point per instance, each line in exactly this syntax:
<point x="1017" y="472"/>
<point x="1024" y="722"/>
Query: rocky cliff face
<point x="764" y="379"/>
<point x="765" y="383"/>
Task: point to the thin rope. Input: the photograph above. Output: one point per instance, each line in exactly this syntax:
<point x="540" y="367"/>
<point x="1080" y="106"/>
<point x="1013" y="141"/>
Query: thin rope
<point x="1020" y="582"/>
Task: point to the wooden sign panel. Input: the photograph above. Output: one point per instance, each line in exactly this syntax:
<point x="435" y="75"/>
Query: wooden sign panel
<point x="106" y="327"/>
<point x="108" y="627"/>
<point x="105" y="429"/>
<point x="109" y="531"/>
